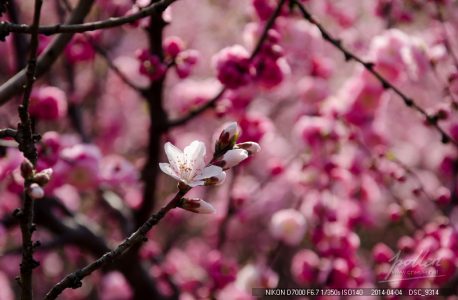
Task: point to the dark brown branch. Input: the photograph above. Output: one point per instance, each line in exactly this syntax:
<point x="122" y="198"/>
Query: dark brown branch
<point x="14" y="85"/>
<point x="158" y="123"/>
<point x="19" y="41"/>
<point x="73" y="280"/>
<point x="196" y="112"/>
<point x="409" y="102"/>
<point x="155" y="8"/>
<point x="26" y="142"/>
<point x="212" y="102"/>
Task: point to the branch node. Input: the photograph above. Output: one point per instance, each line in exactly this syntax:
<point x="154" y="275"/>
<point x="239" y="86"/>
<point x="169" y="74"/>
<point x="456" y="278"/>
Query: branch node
<point x="445" y="139"/>
<point x="408" y="102"/>
<point x="17" y="213"/>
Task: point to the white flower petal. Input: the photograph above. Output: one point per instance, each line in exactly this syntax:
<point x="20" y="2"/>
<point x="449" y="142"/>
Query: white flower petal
<point x="196" y="183"/>
<point x="210" y="171"/>
<point x="195" y="150"/>
<point x="221" y="177"/>
<point x="167" y="169"/>
<point x="194" y="155"/>
<point x="233" y="157"/>
<point x="174" y="155"/>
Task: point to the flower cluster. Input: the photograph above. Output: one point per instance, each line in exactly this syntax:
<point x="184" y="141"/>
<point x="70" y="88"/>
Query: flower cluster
<point x="189" y="168"/>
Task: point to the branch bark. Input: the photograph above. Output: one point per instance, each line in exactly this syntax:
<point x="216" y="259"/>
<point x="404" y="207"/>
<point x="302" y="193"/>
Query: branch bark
<point x="73" y="280"/>
<point x="46" y="60"/>
<point x="155" y="8"/>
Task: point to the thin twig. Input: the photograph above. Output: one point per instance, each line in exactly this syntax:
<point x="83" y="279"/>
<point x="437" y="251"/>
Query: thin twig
<point x="104" y="54"/>
<point x="155" y="8"/>
<point x="409" y="102"/>
<point x="212" y="102"/>
<point x="73" y="280"/>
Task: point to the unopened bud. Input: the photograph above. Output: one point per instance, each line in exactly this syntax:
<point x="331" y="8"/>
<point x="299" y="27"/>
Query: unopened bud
<point x="197" y="206"/>
<point x="35" y="191"/>
<point x="27" y="169"/>
<point x="43" y="177"/>
<point x="251" y="147"/>
<point x="232" y="158"/>
<point x="227" y="138"/>
<point x="216" y="180"/>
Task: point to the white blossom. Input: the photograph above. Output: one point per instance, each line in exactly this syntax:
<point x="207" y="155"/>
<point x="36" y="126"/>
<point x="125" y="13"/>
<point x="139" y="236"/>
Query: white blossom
<point x="188" y="166"/>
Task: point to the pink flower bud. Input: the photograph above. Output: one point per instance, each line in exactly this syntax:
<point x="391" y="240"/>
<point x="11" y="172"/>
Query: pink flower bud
<point x="150" y="65"/>
<point x="227" y="138"/>
<point x="288" y="225"/>
<point x="197" y="206"/>
<point x="443" y="195"/>
<point x="216" y="180"/>
<point x="185" y="61"/>
<point x="35" y="191"/>
<point x="173" y="46"/>
<point x="232" y="158"/>
<point x="27" y="169"/>
<point x="250" y="147"/>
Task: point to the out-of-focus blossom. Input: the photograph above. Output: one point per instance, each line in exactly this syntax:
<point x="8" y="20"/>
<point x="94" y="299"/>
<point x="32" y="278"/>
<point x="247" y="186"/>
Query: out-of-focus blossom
<point x="115" y="171"/>
<point x="233" y="66"/>
<point x="256" y="276"/>
<point x="114" y="286"/>
<point x="150" y="65"/>
<point x="80" y="49"/>
<point x="83" y="163"/>
<point x="48" y="103"/>
<point x="173" y="45"/>
<point x="185" y="61"/>
<point x="305" y="266"/>
<point x="288" y="225"/>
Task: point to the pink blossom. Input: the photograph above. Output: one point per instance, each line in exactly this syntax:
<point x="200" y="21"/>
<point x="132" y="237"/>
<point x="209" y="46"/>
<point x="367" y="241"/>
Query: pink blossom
<point x="150" y="65"/>
<point x="114" y="286"/>
<point x="173" y="45"/>
<point x="116" y="171"/>
<point x="82" y="162"/>
<point x="305" y="266"/>
<point x="185" y="62"/>
<point x="80" y="49"/>
<point x="233" y="66"/>
<point x="48" y="103"/>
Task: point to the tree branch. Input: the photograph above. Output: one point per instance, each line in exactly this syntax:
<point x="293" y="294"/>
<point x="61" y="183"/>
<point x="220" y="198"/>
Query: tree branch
<point x="409" y="102"/>
<point x="14" y="84"/>
<point x="155" y="8"/>
<point x="27" y="146"/>
<point x="158" y="118"/>
<point x="212" y="102"/>
<point x="73" y="280"/>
